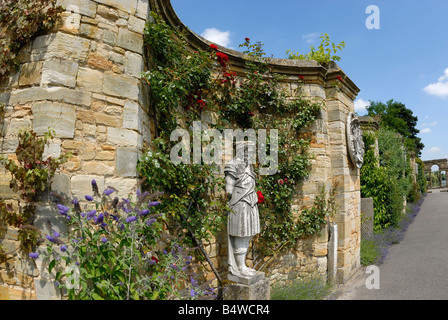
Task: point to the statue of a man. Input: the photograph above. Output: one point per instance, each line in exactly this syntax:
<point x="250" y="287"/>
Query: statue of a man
<point x="243" y="220"/>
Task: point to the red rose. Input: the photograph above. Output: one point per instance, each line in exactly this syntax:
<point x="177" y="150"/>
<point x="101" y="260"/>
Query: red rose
<point x="280" y="181"/>
<point x="260" y="197"/>
<point x="301" y="77"/>
<point x="214" y="46"/>
<point x="251" y="113"/>
<point x="247" y="39"/>
<point x="222" y="58"/>
<point x="339" y="78"/>
<point x="154" y="259"/>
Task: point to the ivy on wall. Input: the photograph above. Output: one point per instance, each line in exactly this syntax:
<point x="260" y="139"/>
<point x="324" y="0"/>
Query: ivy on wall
<point x="184" y="86"/>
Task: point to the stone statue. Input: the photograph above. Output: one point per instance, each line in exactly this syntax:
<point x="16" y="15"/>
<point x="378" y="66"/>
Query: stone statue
<point x="243" y="219"/>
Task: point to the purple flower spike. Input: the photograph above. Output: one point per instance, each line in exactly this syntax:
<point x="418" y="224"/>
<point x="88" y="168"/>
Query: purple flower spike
<point x="63" y="209"/>
<point x="131" y="219"/>
<point x="34" y="255"/>
<point x="153" y="203"/>
<point x="89" y="198"/>
<point x="108" y="191"/>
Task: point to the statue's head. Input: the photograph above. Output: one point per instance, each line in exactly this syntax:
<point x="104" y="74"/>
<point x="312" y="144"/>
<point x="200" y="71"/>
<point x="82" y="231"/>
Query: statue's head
<point x="245" y="151"/>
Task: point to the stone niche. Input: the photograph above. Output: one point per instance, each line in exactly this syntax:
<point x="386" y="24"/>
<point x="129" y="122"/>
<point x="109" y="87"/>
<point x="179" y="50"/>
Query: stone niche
<point x="82" y="79"/>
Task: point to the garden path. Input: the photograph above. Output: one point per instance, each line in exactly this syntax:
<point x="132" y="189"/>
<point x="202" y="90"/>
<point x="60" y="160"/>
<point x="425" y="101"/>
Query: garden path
<point x="416" y="268"/>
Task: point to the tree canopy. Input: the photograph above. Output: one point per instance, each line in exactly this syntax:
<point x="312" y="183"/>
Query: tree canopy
<point x="396" y="116"/>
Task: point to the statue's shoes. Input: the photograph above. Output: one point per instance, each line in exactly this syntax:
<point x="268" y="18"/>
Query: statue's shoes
<point x="248" y="272"/>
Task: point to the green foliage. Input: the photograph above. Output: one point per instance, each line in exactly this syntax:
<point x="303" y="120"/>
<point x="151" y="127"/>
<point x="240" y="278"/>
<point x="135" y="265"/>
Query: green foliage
<point x="302" y="289"/>
<point x="323" y="54"/>
<point x="20" y="21"/>
<point x="184" y="85"/>
<point x="187" y="188"/>
<point x="421" y="178"/>
<point x="395" y="116"/>
<point x="388" y="180"/>
<point x="31" y="176"/>
<point x="176" y="76"/>
<point x="370" y="251"/>
<point x="112" y="252"/>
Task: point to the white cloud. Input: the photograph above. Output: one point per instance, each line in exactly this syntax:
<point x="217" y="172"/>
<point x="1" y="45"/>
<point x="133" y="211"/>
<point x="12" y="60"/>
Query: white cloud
<point x="360" y="106"/>
<point x="434" y="150"/>
<point x="217" y="36"/>
<point x="310" y="37"/>
<point x="432" y="124"/>
<point x="440" y="88"/>
<point x="426" y="130"/>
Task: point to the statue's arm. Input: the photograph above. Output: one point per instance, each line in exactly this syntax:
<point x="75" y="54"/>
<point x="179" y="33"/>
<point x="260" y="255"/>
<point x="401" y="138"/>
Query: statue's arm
<point x="230" y="184"/>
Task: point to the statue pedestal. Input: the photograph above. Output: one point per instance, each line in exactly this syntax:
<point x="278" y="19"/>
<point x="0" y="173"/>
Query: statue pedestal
<point x="256" y="287"/>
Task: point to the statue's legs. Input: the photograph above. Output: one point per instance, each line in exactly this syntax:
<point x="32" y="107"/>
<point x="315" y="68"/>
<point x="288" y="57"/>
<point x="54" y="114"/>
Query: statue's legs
<point x="240" y="248"/>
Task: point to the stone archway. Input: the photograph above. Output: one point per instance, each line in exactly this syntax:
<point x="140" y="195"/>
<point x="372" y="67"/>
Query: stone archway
<point x="443" y="167"/>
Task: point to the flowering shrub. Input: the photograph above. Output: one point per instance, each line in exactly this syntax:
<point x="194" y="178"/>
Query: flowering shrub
<point x="112" y="251"/>
<point x="184" y="85"/>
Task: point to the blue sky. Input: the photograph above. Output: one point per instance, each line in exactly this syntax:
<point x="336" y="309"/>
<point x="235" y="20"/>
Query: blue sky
<point x="405" y="60"/>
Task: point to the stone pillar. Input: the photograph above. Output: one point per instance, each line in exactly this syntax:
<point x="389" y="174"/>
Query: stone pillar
<point x="340" y="96"/>
<point x="242" y="288"/>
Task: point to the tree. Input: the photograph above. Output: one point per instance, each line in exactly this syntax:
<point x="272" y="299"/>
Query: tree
<point x="396" y="116"/>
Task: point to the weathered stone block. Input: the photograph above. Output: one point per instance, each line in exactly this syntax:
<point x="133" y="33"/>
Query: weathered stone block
<point x="126" y="162"/>
<point x="47" y="290"/>
<point x="130" y="40"/>
<point x="121" y="86"/>
<point x="98" y="167"/>
<point x="109" y="37"/>
<point x="60" y="45"/>
<point x="255" y="291"/>
<point x="89" y="79"/>
<point x="123" y="137"/>
<point x="81" y="185"/>
<point x="143" y="9"/>
<point x="52" y="149"/>
<point x="125" y="186"/>
<point x="30" y="73"/>
<point x="59" y="72"/>
<point x="132" y="116"/>
<point x="63" y="94"/>
<point x="129" y="6"/>
<point x="61" y="184"/>
<point x="59" y="116"/>
<point x="90" y="31"/>
<point x="95" y="60"/>
<point x="107" y="120"/>
<point x="9" y="145"/>
<point x="17" y="125"/>
<point x="135" y="24"/>
<point x="84" y="7"/>
<point x="48" y="217"/>
<point x="133" y="64"/>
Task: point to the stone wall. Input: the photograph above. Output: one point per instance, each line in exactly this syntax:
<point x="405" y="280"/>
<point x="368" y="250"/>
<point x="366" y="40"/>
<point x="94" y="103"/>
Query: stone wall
<point x="82" y="79"/>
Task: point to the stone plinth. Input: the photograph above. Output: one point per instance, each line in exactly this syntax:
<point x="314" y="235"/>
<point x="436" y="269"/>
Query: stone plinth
<point x="247" y="288"/>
